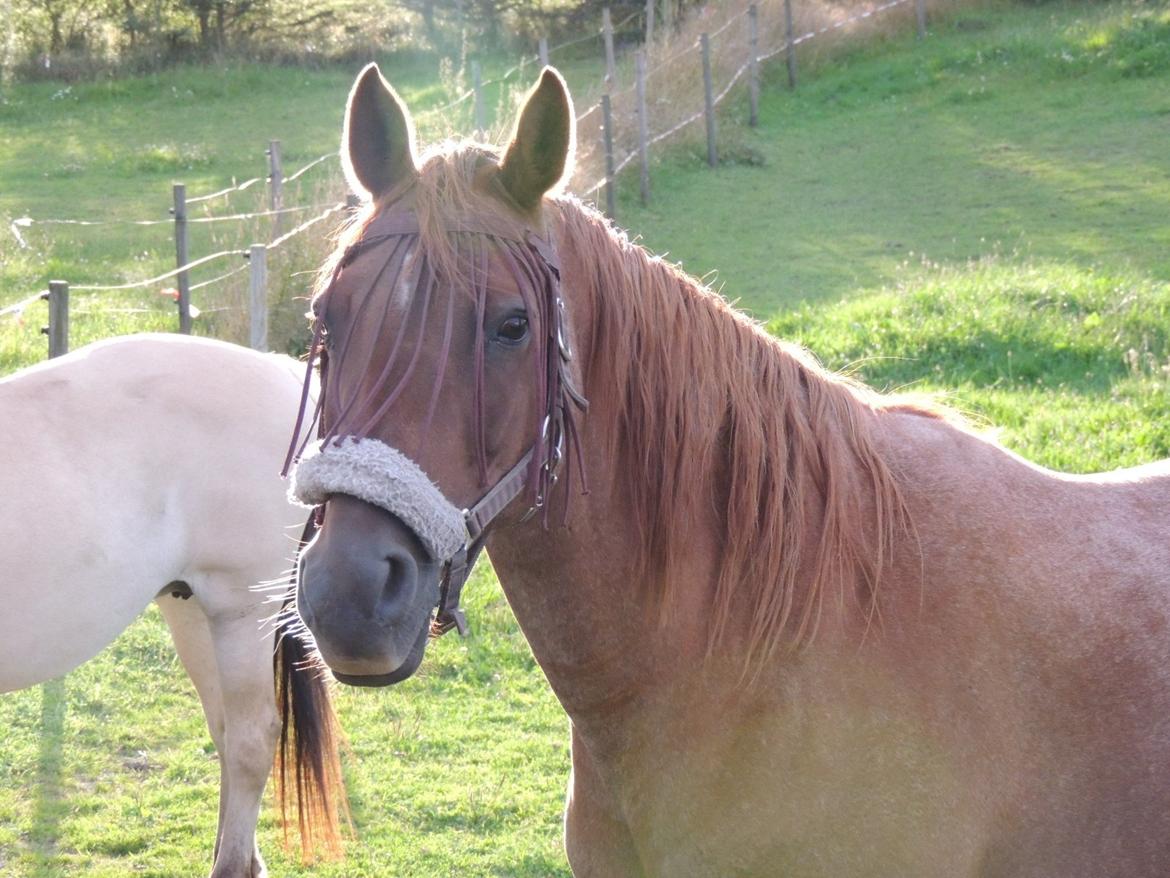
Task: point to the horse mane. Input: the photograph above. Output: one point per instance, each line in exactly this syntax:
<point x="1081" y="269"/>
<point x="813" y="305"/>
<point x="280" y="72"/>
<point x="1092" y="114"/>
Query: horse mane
<point x="697" y="394"/>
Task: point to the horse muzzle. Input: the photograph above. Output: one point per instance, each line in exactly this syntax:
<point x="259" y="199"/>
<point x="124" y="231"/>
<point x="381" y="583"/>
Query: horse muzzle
<point x="366" y="590"/>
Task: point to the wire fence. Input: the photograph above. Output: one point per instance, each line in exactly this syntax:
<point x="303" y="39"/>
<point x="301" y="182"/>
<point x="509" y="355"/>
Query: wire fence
<point x="630" y="121"/>
<point x="181" y="274"/>
<point x="708" y="58"/>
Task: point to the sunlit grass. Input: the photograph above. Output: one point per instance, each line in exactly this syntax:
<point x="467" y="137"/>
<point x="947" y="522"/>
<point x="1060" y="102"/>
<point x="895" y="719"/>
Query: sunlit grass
<point x="1071" y="367"/>
<point x="459" y="770"/>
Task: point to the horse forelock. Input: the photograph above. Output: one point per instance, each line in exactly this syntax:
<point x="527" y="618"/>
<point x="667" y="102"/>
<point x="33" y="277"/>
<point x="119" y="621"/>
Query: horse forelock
<point x="704" y="408"/>
<point x="451" y="179"/>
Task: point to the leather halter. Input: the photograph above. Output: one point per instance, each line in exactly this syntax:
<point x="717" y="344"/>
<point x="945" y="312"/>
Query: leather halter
<point x="540" y="466"/>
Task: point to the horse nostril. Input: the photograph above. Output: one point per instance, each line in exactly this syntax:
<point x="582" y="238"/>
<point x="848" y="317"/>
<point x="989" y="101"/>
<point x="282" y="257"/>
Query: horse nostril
<point x="400" y="586"/>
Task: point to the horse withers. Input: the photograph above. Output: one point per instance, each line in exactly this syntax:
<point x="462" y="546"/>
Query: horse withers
<point x="800" y="628"/>
<point x="145" y="472"/>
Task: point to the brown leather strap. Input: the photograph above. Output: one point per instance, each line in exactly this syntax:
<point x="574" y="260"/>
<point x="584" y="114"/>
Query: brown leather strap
<point x="449" y="614"/>
<point x="507" y="489"/>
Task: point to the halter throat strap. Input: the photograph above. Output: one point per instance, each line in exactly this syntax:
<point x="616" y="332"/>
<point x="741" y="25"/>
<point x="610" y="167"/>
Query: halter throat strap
<point x="449" y="614"/>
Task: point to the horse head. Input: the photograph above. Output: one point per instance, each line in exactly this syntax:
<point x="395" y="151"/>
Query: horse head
<point x="449" y="389"/>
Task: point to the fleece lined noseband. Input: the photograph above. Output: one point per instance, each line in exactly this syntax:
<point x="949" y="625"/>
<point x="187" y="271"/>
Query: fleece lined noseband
<point x="369" y="469"/>
<point x="373" y="471"/>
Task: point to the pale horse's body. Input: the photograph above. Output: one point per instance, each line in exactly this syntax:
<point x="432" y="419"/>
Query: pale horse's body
<point x="140" y="467"/>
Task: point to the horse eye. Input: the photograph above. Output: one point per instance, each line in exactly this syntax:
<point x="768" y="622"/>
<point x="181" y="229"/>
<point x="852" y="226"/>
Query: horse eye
<point x="513" y="330"/>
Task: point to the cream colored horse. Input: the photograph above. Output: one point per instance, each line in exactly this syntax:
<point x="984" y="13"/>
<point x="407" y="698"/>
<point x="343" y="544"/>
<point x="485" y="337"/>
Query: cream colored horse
<point x="144" y="468"/>
<point x="799" y="628"/>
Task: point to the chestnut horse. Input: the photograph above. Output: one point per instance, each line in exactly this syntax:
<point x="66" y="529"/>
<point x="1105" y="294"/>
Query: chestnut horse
<point x="141" y="470"/>
<point x="799" y="627"/>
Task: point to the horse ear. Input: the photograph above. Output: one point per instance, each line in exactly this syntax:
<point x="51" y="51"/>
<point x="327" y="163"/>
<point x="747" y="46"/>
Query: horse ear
<point x="539" y="155"/>
<point x="378" y="140"/>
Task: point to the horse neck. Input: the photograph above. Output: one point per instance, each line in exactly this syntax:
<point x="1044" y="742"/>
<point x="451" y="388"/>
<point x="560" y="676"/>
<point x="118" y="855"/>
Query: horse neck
<point x="726" y="473"/>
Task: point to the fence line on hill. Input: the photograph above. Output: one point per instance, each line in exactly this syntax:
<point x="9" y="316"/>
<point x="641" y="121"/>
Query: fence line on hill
<point x="740" y="57"/>
<point x="744" y="56"/>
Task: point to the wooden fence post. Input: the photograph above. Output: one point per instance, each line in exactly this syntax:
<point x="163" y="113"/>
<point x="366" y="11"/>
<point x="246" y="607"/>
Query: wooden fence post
<point x="258" y="297"/>
<point x="542" y="51"/>
<point x="753" y="65"/>
<point x="183" y="282"/>
<point x="643" y="123"/>
<point x="649" y="22"/>
<point x="610" y="63"/>
<point x="58" y="328"/>
<point x="709" y="99"/>
<point x="789" y="50"/>
<point x="607" y="127"/>
<point x="920" y="9"/>
<point x="275" y="184"/>
<point x="477" y="85"/>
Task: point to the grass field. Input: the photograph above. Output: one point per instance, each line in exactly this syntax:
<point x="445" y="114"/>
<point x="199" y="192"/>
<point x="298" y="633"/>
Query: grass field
<point x="982" y="215"/>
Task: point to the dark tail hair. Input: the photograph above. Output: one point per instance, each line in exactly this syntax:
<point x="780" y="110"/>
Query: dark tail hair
<point x="308" y="764"/>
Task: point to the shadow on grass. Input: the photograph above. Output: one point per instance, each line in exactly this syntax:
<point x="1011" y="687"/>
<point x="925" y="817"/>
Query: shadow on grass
<point x="986" y="359"/>
<point x="49" y="804"/>
<point x="537" y="864"/>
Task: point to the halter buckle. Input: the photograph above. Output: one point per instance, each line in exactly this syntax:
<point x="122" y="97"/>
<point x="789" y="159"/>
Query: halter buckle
<point x="562" y="342"/>
<point x="445" y="620"/>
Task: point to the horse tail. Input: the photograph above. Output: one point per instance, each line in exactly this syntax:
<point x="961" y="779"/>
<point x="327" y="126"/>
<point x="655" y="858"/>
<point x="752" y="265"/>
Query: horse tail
<point x="308" y="763"/>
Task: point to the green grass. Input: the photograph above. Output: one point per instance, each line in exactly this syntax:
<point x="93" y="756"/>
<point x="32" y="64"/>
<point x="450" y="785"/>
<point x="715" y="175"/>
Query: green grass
<point x="1037" y="131"/>
<point x="460" y="771"/>
<point x="1071" y="367"/>
<point x="981" y="216"/>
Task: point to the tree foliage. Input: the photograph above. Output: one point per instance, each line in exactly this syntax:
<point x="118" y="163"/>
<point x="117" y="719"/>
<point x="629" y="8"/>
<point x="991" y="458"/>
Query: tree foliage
<point x="64" y="38"/>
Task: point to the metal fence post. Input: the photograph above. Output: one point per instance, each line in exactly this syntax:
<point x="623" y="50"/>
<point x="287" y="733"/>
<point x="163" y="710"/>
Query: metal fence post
<point x="542" y="51"/>
<point x="610" y="63"/>
<point x="649" y="22"/>
<point x="607" y="126"/>
<point x="790" y="49"/>
<point x="477" y="85"/>
<point x="920" y="10"/>
<point x="709" y="100"/>
<point x="258" y="297"/>
<point x="275" y="184"/>
<point x="58" y="328"/>
<point x="643" y="123"/>
<point x="753" y="65"/>
<point x="179" y="190"/>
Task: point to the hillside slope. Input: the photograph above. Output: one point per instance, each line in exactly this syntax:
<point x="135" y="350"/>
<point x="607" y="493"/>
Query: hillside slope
<point x="1028" y="131"/>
